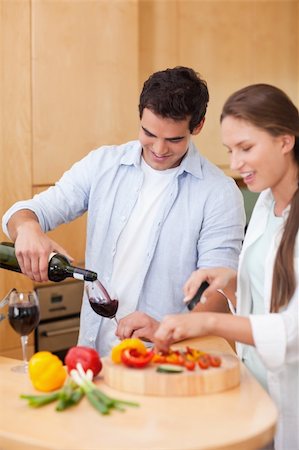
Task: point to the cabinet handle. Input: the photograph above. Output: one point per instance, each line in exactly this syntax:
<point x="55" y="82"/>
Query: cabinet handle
<point x="60" y="332"/>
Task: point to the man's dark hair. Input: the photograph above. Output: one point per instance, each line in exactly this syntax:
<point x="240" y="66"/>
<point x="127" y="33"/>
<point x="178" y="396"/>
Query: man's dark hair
<point x="176" y="93"/>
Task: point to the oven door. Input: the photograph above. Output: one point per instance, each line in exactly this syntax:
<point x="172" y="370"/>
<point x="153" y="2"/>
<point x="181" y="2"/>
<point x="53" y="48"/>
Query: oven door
<point x="57" y="336"/>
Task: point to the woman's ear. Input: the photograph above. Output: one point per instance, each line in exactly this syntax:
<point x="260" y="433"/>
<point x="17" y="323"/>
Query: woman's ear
<point x="198" y="127"/>
<point x="288" y="142"/>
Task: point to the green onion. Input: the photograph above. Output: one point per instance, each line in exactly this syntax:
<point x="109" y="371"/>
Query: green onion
<point x="79" y="384"/>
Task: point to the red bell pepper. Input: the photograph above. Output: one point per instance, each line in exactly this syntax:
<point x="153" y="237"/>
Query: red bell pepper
<point x="133" y="358"/>
<point x="88" y="357"/>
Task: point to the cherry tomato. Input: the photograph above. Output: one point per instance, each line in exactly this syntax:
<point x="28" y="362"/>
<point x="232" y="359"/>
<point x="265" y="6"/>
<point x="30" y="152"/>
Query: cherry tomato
<point x="215" y="361"/>
<point x="204" y="361"/>
<point x="190" y="365"/>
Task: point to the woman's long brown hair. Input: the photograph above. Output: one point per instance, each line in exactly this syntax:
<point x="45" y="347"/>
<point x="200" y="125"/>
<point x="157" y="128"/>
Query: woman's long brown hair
<point x="270" y="109"/>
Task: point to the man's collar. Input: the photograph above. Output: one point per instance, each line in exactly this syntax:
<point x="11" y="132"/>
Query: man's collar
<point x="191" y="162"/>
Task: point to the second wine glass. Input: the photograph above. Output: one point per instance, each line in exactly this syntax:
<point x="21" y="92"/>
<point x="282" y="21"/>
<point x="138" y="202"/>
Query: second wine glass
<point x="23" y="316"/>
<point x="100" y="300"/>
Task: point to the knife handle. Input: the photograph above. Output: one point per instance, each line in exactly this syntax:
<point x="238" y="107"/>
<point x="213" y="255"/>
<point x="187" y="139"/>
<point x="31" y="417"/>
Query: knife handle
<point x="196" y="299"/>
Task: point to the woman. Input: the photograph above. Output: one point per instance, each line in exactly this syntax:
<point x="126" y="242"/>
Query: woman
<point x="260" y="128"/>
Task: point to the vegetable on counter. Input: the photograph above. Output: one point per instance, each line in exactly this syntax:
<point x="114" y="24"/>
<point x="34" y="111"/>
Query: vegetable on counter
<point x="170" y="368"/>
<point x="130" y="343"/>
<point x="133" y="358"/>
<point x="133" y="353"/>
<point x="87" y="357"/>
<point x="78" y="384"/>
<point x="68" y="396"/>
<point x="46" y="371"/>
<point x="98" y="399"/>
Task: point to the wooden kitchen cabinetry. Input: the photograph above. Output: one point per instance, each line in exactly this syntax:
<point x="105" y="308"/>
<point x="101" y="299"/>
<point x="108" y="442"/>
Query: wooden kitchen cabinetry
<point x="69" y="76"/>
<point x="230" y="43"/>
<point x="71" y="73"/>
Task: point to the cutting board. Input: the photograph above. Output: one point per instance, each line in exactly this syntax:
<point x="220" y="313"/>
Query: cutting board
<point x="148" y="381"/>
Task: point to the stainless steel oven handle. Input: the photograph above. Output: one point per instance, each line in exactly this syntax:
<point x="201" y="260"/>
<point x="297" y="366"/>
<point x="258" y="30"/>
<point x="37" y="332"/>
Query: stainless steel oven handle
<point x="60" y="332"/>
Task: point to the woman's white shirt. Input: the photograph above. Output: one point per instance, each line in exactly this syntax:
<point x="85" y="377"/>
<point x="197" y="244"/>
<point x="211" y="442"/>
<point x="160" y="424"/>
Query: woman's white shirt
<point x="275" y="335"/>
<point x="255" y="266"/>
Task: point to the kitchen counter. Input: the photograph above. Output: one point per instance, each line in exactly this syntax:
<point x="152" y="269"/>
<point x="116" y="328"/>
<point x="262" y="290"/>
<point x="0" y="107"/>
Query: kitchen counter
<point x="237" y="419"/>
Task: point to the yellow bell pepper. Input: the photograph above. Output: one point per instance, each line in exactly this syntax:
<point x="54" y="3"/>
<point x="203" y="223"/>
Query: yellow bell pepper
<point x="46" y="371"/>
<point x="124" y="344"/>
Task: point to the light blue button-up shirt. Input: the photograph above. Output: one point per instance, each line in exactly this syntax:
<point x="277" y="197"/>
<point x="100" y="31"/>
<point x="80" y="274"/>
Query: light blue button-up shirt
<point x="200" y="223"/>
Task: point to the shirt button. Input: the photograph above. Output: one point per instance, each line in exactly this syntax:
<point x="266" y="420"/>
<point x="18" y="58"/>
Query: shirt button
<point x="123" y="218"/>
<point x="91" y="339"/>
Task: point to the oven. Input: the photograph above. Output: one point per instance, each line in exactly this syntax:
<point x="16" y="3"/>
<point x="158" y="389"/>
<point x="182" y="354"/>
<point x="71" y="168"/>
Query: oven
<point x="60" y="306"/>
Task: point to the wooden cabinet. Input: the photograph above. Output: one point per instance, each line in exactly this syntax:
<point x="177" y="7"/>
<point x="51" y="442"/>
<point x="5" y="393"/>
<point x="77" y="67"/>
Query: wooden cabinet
<point x="69" y="83"/>
<point x="231" y="44"/>
<point x="71" y="73"/>
<point x="84" y="81"/>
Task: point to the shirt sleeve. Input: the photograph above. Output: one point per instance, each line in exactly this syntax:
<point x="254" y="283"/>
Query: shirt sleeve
<point x="61" y="203"/>
<point x="222" y="232"/>
<point x="276" y="335"/>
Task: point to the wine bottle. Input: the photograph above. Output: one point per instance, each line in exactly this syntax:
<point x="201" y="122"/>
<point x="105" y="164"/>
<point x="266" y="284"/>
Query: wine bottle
<point x="193" y="302"/>
<point x="59" y="266"/>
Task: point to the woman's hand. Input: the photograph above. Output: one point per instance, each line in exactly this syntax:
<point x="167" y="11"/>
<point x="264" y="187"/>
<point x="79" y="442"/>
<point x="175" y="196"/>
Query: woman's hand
<point x="178" y="327"/>
<point x="218" y="278"/>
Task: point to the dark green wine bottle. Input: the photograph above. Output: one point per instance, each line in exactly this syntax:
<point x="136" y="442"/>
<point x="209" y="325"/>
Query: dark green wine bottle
<point x="59" y="267"/>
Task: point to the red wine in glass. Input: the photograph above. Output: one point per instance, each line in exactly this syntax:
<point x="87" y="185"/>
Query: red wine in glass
<point x="104" y="309"/>
<point x="100" y="300"/>
<point x="23" y="316"/>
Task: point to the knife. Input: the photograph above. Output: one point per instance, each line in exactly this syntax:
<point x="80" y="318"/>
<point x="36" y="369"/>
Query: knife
<point x="196" y="299"/>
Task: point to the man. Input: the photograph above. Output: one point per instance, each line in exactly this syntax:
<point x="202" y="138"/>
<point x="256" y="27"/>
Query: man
<point x="157" y="211"/>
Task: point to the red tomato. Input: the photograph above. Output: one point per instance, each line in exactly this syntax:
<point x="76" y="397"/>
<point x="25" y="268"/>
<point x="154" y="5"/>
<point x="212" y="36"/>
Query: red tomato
<point x="133" y="358"/>
<point x="204" y="361"/>
<point x="215" y="361"/>
<point x="88" y="357"/>
<point x="190" y="365"/>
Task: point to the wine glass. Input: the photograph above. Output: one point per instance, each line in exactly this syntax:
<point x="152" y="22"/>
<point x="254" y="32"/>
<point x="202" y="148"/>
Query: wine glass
<point x="100" y="300"/>
<point x="23" y="316"/>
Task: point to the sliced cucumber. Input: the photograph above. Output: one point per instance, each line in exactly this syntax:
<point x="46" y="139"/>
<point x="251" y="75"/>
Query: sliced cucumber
<point x="169" y="368"/>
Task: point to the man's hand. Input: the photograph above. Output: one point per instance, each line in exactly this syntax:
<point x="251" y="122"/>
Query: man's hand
<point x="32" y="245"/>
<point x="137" y="325"/>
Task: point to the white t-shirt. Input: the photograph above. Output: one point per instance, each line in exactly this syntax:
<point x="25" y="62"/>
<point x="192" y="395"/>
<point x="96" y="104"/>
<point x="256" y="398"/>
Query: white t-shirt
<point x="133" y="243"/>
<point x="256" y="270"/>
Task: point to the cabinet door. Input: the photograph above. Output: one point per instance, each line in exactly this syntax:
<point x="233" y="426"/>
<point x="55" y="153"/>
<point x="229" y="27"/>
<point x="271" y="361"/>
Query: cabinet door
<point x="84" y="80"/>
<point x="230" y="43"/>
<point x="15" y="142"/>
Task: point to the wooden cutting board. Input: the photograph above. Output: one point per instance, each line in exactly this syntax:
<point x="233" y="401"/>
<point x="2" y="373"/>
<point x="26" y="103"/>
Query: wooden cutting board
<point x="148" y="381"/>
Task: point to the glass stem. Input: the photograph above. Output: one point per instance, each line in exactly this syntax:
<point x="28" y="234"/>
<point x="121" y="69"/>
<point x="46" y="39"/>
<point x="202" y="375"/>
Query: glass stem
<point x="24" y="340"/>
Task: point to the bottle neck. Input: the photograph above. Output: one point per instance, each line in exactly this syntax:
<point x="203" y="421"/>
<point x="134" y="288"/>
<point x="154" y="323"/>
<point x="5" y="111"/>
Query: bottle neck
<point x="61" y="262"/>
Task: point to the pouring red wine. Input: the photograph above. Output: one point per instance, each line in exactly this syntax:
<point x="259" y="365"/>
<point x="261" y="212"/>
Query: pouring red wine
<point x="100" y="300"/>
